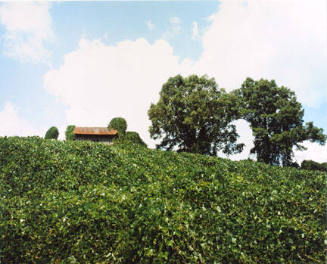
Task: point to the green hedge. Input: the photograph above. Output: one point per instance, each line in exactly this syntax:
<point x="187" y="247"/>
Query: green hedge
<point x="84" y="202"/>
<point x="133" y="138"/>
<point x="313" y="165"/>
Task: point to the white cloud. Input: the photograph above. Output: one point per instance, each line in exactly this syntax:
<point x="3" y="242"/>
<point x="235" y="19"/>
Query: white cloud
<point x="244" y="130"/>
<point x="150" y="25"/>
<point x="195" y="30"/>
<point x="13" y="124"/>
<point x="98" y="82"/>
<point x="281" y="40"/>
<point x="314" y="152"/>
<point x="174" y="29"/>
<point x="28" y="28"/>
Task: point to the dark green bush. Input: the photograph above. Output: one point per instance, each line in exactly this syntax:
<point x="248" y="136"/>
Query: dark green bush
<point x="84" y="202"/>
<point x="119" y="124"/>
<point x="52" y="133"/>
<point x="313" y="165"/>
<point x="70" y="132"/>
<point x="134" y="137"/>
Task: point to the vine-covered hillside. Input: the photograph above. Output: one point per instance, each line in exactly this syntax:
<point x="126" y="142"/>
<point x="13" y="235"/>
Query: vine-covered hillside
<point x="83" y="202"/>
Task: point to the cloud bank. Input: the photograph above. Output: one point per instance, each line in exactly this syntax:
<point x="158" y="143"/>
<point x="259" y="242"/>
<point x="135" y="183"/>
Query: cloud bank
<point x="281" y="40"/>
<point x="27" y="29"/>
<point x="15" y="125"/>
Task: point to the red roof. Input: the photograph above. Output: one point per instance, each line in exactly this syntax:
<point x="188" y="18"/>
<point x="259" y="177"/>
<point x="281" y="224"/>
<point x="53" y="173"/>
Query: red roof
<point x="95" y="131"/>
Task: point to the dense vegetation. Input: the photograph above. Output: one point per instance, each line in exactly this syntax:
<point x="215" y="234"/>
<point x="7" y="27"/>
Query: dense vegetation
<point x="84" y="202"/>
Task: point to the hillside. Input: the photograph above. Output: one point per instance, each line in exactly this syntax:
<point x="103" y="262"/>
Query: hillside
<point x="79" y="202"/>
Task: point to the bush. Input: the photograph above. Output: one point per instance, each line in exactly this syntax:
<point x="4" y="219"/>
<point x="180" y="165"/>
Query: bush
<point x="70" y="132"/>
<point x="52" y="133"/>
<point x="312" y="165"/>
<point x="119" y="124"/>
<point x="134" y="137"/>
<point x="85" y="202"/>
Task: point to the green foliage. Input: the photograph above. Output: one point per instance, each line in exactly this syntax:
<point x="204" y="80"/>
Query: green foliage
<point x="134" y="137"/>
<point x="313" y="165"/>
<point x="52" y="133"/>
<point x="82" y="202"/>
<point x="70" y="132"/>
<point x="276" y="119"/>
<point x="192" y="115"/>
<point x="119" y="124"/>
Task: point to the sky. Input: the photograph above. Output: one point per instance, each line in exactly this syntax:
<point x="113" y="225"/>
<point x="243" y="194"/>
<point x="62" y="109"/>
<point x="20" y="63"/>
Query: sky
<point x="83" y="63"/>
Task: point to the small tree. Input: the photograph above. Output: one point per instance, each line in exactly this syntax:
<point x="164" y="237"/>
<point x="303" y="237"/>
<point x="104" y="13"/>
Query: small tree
<point x="70" y="132"/>
<point x="134" y="137"/>
<point x="119" y="124"/>
<point x="52" y="133"/>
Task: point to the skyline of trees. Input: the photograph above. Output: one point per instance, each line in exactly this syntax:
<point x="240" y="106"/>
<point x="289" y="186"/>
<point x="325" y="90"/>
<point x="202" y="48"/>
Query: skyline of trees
<point x="193" y="115"/>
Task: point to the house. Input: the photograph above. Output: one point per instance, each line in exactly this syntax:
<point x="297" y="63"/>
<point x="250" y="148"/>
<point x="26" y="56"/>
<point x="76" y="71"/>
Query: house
<point x="96" y="134"/>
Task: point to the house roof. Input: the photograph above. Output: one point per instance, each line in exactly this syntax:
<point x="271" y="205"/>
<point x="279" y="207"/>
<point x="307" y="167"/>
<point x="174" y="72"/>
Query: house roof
<point x="103" y="131"/>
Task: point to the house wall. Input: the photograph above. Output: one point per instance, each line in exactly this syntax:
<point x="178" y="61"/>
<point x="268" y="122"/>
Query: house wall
<point x="96" y="138"/>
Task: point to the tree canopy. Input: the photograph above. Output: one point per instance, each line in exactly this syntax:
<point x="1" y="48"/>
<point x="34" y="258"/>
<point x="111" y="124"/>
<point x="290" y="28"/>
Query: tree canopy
<point x="193" y="115"/>
<point x="52" y="133"/>
<point x="119" y="124"/>
<point x="276" y="119"/>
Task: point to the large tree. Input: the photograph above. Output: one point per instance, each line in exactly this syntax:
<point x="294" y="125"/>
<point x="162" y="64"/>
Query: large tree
<point x="193" y="115"/>
<point x="276" y="119"/>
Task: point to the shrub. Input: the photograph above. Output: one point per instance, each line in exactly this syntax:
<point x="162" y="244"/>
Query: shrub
<point x="70" y="132"/>
<point x="52" y="133"/>
<point x="134" y="137"/>
<point x="119" y="124"/>
<point x="313" y="165"/>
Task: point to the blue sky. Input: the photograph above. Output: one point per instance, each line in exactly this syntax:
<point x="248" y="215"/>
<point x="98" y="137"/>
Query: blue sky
<point x="83" y="63"/>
